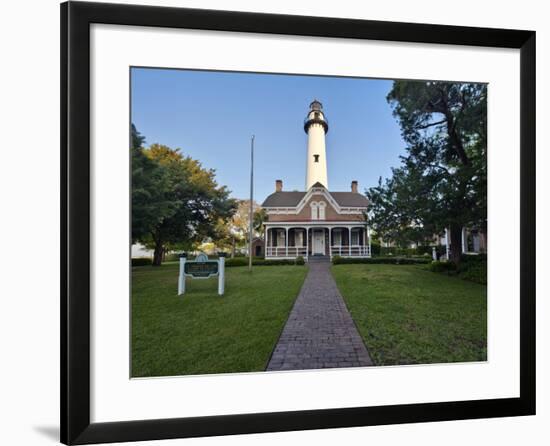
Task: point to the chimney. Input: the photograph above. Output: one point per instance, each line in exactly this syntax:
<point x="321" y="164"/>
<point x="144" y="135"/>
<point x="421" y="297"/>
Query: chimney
<point x="354" y="186"/>
<point x="278" y="185"/>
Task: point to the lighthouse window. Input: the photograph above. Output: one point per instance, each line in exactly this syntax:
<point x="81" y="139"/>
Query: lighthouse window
<point x="316" y="158"/>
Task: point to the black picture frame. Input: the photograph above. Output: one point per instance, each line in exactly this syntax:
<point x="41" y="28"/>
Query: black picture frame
<point x="76" y="18"/>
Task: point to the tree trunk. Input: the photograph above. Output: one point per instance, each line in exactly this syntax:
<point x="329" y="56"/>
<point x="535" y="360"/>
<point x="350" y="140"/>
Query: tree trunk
<point x="456" y="243"/>
<point x="157" y="256"/>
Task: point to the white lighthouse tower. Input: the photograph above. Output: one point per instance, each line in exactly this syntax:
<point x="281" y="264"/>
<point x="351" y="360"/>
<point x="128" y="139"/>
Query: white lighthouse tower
<point x="316" y="126"/>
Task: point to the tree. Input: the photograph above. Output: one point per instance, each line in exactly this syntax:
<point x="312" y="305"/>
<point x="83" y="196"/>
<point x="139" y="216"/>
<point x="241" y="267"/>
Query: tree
<point x="176" y="203"/>
<point x="238" y="226"/>
<point x="147" y="184"/>
<point x="441" y="182"/>
<point x="260" y="217"/>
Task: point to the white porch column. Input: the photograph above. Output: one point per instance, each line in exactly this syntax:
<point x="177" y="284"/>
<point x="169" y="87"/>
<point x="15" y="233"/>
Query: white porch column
<point x="464" y="241"/>
<point x="307" y="243"/>
<point x="286" y="241"/>
<point x="447" y="243"/>
<point x="329" y="242"/>
<point x="349" y="240"/>
<point x="367" y="231"/>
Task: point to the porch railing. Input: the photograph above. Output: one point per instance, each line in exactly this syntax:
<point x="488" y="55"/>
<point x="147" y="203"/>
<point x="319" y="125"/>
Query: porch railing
<point x="350" y="251"/>
<point x="284" y="251"/>
<point x="337" y="250"/>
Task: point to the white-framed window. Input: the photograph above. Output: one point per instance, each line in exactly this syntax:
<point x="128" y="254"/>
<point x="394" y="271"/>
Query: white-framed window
<point x="314" y="210"/>
<point x="322" y="206"/>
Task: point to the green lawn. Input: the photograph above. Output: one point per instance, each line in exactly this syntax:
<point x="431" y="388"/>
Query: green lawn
<point x="201" y="332"/>
<point x="408" y="315"/>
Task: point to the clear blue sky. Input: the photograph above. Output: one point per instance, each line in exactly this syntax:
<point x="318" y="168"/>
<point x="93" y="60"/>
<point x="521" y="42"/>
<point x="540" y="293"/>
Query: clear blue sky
<point x="212" y="115"/>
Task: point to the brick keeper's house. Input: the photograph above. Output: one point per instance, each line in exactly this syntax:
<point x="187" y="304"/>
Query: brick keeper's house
<point x="317" y="221"/>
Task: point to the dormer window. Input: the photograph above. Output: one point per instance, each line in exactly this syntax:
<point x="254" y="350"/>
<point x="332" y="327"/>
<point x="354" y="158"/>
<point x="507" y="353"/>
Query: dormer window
<point x="316" y="158"/>
<point x="314" y="210"/>
<point x="322" y="206"/>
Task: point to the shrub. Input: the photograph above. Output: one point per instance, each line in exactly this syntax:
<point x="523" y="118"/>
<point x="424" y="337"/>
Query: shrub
<point x="405" y="252"/>
<point x="422" y="250"/>
<point x="396" y="251"/>
<point x="375" y="248"/>
<point x="142" y="261"/>
<point x="473" y="258"/>
<point x="269" y="262"/>
<point x="256" y="261"/>
<point x="236" y="261"/>
<point x="476" y="272"/>
<point x="173" y="257"/>
<point x="473" y="268"/>
<point x="337" y="260"/>
<point x="437" y="266"/>
<point x="300" y="260"/>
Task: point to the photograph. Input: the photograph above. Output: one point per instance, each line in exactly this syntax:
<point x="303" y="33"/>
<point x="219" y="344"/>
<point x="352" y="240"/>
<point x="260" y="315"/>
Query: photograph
<point x="275" y="223"/>
<point x="291" y="222"/>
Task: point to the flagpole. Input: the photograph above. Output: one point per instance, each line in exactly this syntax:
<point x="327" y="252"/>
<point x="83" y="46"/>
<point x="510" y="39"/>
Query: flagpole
<point x="251" y="203"/>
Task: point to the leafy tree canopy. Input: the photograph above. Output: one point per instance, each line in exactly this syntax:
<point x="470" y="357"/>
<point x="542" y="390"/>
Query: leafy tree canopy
<point x="234" y="232"/>
<point x="441" y="182"/>
<point x="176" y="203"/>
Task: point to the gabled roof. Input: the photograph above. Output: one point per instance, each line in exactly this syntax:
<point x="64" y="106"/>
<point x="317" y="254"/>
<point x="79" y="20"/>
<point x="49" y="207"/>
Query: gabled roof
<point x="283" y="199"/>
<point x="292" y="199"/>
<point x="350" y="199"/>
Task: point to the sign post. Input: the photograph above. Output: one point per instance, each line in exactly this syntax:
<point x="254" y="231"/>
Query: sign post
<point x="221" y="276"/>
<point x="202" y="268"/>
<point x="181" y="279"/>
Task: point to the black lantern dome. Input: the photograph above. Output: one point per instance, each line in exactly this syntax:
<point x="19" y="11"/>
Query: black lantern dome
<point x="315" y="116"/>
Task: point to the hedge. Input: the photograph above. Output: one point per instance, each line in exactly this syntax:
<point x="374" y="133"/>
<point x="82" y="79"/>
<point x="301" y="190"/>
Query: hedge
<point x="475" y="272"/>
<point x="472" y="268"/>
<point x="142" y="261"/>
<point x="375" y="248"/>
<point x="437" y="266"/>
<point x="243" y="261"/>
<point x="173" y="257"/>
<point x="407" y="252"/>
<point x="337" y="260"/>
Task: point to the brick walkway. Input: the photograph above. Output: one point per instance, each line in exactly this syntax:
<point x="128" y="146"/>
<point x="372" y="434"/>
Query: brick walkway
<point x="319" y="332"/>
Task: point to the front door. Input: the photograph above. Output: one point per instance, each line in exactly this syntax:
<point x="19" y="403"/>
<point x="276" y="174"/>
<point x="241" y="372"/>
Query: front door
<point x="319" y="242"/>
